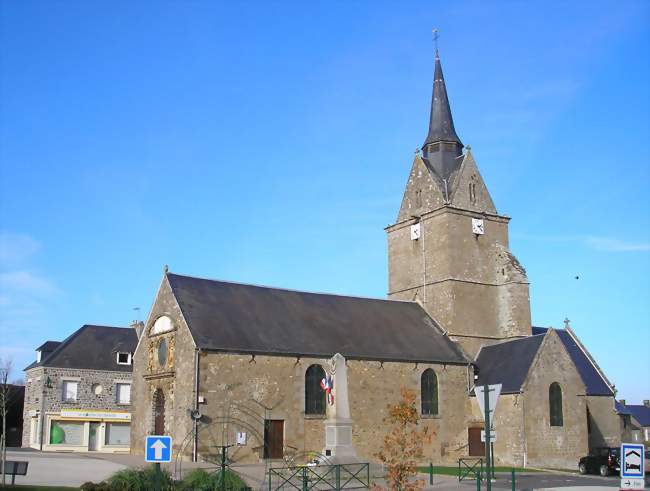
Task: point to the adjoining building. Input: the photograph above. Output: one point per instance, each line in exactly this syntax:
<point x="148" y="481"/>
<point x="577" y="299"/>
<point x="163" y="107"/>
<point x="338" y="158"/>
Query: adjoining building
<point x="15" y="398"/>
<point x="78" y="392"/>
<point x="636" y="421"/>
<point x="220" y="362"/>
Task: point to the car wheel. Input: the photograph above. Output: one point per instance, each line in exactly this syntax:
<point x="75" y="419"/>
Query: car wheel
<point x="582" y="468"/>
<point x="604" y="470"/>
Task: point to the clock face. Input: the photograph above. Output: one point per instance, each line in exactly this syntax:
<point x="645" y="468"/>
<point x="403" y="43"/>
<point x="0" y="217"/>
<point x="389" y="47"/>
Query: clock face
<point x="478" y="227"/>
<point x="415" y="231"/>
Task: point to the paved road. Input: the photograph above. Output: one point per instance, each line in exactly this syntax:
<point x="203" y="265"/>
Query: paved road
<point x="62" y="469"/>
<point x="537" y="480"/>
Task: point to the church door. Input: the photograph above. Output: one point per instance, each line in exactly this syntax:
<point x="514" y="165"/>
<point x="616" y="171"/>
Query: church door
<point x="476" y="446"/>
<point x="273" y="439"/>
<point x="159" y="413"/>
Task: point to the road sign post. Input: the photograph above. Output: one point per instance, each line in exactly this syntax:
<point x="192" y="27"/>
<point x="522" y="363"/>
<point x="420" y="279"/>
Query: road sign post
<point x="158" y="448"/>
<point x="632" y="466"/>
<point x="487" y="397"/>
<point x="486" y="402"/>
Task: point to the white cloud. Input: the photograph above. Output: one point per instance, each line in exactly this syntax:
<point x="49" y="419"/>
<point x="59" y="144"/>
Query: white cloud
<point x="26" y="282"/>
<point x="15" y="248"/>
<point x="615" y="245"/>
<point x="603" y="244"/>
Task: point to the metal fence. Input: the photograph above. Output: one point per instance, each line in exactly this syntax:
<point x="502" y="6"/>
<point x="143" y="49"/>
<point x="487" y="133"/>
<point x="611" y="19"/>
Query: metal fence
<point x="469" y="468"/>
<point x="320" y="477"/>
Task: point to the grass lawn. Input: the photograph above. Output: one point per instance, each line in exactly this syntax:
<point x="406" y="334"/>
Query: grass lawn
<point x="38" y="488"/>
<point x="453" y="470"/>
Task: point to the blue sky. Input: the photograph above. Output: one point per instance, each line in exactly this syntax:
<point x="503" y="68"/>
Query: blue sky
<point x="270" y="143"/>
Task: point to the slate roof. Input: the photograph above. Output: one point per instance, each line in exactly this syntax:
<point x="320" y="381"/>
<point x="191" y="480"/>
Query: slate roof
<point x="240" y="318"/>
<point x="591" y="377"/>
<point x="507" y="363"/>
<point x="640" y="413"/>
<point x="92" y="348"/>
<point x="48" y="346"/>
<point x="621" y="408"/>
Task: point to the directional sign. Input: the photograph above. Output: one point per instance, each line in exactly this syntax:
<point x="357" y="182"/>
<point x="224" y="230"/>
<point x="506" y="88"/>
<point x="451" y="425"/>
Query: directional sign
<point x="627" y="483"/>
<point x="632" y="461"/>
<point x="493" y="436"/>
<point x="493" y="395"/>
<point x="158" y="448"/>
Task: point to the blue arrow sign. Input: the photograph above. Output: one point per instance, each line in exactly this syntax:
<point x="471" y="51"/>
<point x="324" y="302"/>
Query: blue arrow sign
<point x="158" y="448"/>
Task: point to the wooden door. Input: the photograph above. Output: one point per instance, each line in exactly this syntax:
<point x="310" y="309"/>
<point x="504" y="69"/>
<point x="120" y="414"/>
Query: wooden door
<point x="476" y="446"/>
<point x="273" y="439"/>
<point x="159" y="413"/>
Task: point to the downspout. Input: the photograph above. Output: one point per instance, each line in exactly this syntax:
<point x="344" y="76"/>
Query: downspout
<point x="195" y="421"/>
<point x="523" y="427"/>
<point x="424" y="266"/>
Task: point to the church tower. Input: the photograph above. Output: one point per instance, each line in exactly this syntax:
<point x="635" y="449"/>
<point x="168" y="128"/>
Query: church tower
<point x="448" y="249"/>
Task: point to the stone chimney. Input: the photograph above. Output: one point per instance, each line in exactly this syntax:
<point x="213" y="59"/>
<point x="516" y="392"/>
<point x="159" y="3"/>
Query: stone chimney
<point x="646" y="402"/>
<point x="622" y="401"/>
<point x="139" y="327"/>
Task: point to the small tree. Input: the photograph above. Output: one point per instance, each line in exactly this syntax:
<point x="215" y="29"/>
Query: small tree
<point x="404" y="444"/>
<point x="5" y="394"/>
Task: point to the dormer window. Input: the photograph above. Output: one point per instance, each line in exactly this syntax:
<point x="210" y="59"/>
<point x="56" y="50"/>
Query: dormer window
<point x="123" y="358"/>
<point x="38" y="357"/>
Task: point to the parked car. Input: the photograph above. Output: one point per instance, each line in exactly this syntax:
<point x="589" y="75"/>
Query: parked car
<point x="601" y="460"/>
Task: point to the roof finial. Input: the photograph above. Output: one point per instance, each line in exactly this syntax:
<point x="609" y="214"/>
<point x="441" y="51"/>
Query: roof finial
<point x="166" y="269"/>
<point x="435" y="39"/>
<point x="566" y="323"/>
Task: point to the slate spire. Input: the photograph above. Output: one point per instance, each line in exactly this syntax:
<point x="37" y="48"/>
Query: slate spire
<point x="441" y="124"/>
<point x="442" y="148"/>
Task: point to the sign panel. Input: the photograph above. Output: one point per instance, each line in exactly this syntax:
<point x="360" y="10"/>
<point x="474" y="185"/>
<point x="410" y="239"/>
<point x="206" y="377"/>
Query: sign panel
<point x="632" y="465"/>
<point x="493" y="395"/>
<point x="493" y="436"/>
<point x="632" y="483"/>
<point x="92" y="414"/>
<point x="158" y="448"/>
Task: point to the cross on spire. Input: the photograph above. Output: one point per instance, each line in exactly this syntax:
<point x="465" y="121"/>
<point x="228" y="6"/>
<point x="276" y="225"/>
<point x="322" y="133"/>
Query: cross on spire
<point x="566" y="323"/>
<point x="435" y="39"/>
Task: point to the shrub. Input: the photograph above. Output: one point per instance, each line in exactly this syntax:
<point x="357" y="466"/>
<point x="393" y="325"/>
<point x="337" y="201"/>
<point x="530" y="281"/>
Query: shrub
<point x="139" y="480"/>
<point x="201" y="480"/>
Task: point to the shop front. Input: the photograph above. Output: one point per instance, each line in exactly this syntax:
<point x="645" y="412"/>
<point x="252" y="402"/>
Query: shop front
<point x="79" y="430"/>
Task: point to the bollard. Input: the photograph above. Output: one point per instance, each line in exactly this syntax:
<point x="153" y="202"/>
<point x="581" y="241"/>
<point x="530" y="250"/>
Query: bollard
<point x="478" y="481"/>
<point x="431" y="473"/>
<point x="513" y="479"/>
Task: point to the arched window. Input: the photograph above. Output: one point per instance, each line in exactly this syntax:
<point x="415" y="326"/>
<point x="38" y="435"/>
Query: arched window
<point x="159" y="412"/>
<point x="429" y="389"/>
<point x="555" y="404"/>
<point x="314" y="394"/>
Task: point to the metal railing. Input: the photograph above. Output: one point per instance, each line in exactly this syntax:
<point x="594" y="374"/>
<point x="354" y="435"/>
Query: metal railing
<point x="469" y="468"/>
<point x="320" y="477"/>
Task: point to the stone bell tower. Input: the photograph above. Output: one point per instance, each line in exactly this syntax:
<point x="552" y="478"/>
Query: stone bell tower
<point x="448" y="248"/>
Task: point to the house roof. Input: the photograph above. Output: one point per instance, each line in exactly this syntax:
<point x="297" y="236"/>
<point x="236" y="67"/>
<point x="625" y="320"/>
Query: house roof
<point x="640" y="412"/>
<point x="48" y="346"/>
<point x="621" y="408"/>
<point x="589" y="373"/>
<point x="507" y="363"/>
<point x="93" y="348"/>
<point x="252" y="319"/>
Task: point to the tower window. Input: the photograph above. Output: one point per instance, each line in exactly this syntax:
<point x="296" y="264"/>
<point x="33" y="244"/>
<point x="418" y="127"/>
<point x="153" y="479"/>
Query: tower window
<point x="418" y="198"/>
<point x="472" y="190"/>
<point x="555" y="404"/>
<point x="314" y="394"/>
<point x="429" y="392"/>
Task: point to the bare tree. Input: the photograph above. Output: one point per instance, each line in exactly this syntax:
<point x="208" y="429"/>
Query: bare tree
<point x="5" y="393"/>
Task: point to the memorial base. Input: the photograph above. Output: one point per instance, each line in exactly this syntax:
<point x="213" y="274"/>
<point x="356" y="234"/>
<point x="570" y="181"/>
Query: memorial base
<point x="338" y="442"/>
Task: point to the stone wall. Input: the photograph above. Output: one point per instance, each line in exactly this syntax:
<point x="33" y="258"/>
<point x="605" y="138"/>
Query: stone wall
<point x="475" y="288"/>
<point x="175" y="378"/>
<point x="40" y="398"/>
<point x="604" y="427"/>
<point x="244" y="391"/>
<point x="555" y="446"/>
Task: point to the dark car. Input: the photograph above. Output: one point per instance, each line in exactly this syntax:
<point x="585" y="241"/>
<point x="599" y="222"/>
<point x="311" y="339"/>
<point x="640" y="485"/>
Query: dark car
<point x="601" y="460"/>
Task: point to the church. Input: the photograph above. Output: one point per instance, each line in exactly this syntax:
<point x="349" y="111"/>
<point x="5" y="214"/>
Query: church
<point x="220" y="363"/>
